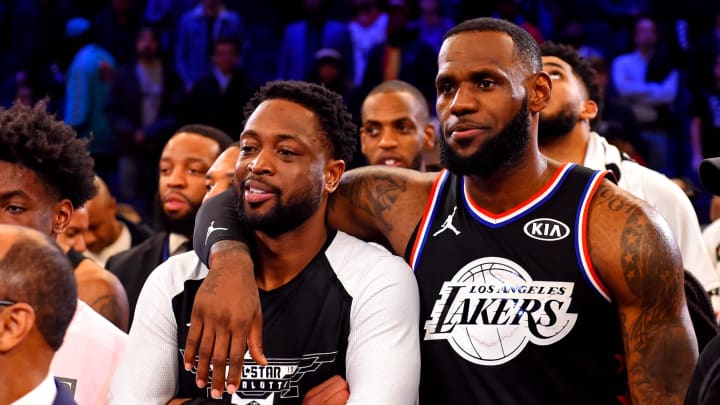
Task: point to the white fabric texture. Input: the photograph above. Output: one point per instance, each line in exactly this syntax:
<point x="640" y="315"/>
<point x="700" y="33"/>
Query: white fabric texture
<point x="383" y="345"/>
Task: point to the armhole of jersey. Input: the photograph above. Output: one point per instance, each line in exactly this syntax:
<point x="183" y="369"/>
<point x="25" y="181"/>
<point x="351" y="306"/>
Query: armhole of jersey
<point x="581" y="245"/>
<point x="427" y="218"/>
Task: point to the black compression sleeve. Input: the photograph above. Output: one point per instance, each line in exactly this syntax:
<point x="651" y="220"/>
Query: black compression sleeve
<point x="216" y="220"/>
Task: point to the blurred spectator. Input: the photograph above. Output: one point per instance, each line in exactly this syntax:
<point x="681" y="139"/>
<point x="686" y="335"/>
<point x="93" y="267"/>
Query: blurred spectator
<point x="116" y="28"/>
<point x="33" y="33"/>
<point x="705" y="123"/>
<point x="648" y="79"/>
<point x="142" y="106"/>
<point x="97" y="287"/>
<point x="303" y="38"/>
<point x="511" y="10"/>
<point x="217" y="99"/>
<point x="616" y="119"/>
<point x="368" y="28"/>
<point x="573" y="34"/>
<point x="404" y="56"/>
<point x="432" y="24"/>
<point x="185" y="160"/>
<point x="88" y="86"/>
<point x="198" y="29"/>
<point x="329" y="71"/>
<point x="108" y="232"/>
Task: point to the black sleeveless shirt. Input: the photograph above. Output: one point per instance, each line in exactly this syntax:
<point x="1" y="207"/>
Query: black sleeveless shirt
<point x="512" y="311"/>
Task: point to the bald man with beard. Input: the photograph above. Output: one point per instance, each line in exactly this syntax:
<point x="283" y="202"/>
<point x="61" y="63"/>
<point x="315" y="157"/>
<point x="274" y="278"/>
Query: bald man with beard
<point x="108" y="233"/>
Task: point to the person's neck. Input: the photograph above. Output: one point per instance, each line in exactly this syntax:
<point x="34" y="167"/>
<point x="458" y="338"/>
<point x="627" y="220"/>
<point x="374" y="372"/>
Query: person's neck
<point x="148" y="62"/>
<point x="21" y="371"/>
<point x="570" y="147"/>
<point x="117" y="230"/>
<point x="509" y="187"/>
<point x="646" y="51"/>
<point x="282" y="257"/>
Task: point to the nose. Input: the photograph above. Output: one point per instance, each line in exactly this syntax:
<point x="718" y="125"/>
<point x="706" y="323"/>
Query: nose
<point x="88" y="238"/>
<point x="177" y="177"/>
<point x="79" y="244"/>
<point x="388" y="139"/>
<point x="262" y="163"/>
<point x="463" y="102"/>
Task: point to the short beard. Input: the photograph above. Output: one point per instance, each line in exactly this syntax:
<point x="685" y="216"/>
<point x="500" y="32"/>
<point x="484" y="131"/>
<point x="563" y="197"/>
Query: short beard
<point x="551" y="128"/>
<point x="183" y="225"/>
<point x="282" y="218"/>
<point x="497" y="153"/>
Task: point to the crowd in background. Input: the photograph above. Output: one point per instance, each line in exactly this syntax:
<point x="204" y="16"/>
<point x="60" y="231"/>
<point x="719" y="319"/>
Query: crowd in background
<point x="127" y="73"/>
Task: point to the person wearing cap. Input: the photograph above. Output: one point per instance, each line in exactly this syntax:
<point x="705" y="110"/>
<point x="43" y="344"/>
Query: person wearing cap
<point x="303" y="38"/>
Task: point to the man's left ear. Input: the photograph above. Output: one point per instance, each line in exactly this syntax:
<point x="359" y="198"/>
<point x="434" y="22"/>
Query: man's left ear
<point x="589" y="111"/>
<point x="334" y="170"/>
<point x="62" y="214"/>
<point x="539" y="92"/>
<point x="429" y="137"/>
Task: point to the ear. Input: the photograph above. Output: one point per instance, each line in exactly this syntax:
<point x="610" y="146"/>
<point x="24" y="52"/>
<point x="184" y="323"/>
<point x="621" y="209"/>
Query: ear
<point x="589" y="110"/>
<point x="362" y="142"/>
<point x="62" y="214"/>
<point x="16" y="321"/>
<point x="539" y="91"/>
<point x="429" y="137"/>
<point x="334" y="170"/>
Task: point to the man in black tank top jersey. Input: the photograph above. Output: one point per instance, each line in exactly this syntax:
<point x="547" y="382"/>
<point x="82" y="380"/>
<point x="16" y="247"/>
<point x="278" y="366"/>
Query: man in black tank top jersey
<point x="539" y="282"/>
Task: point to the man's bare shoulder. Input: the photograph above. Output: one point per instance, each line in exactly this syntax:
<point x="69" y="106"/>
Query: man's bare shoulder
<point x="630" y="243"/>
<point x="103" y="291"/>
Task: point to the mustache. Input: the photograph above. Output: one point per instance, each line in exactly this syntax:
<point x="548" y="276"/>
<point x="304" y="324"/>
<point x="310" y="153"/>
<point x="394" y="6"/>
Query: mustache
<point x="240" y="187"/>
<point x="175" y="194"/>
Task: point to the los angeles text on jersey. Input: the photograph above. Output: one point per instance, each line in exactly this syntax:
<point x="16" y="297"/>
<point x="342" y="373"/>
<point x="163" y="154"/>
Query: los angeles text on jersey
<point x="491" y="309"/>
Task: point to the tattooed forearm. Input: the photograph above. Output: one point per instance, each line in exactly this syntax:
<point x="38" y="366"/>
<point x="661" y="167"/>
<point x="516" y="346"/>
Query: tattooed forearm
<point x="656" y="340"/>
<point x="373" y="193"/>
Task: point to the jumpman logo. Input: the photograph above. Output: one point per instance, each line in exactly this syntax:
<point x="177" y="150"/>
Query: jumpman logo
<point x="448" y="224"/>
<point x="212" y="229"/>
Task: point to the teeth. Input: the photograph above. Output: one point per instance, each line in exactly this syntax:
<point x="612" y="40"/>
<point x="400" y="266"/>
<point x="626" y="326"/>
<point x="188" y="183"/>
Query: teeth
<point x="255" y="191"/>
<point x="390" y="162"/>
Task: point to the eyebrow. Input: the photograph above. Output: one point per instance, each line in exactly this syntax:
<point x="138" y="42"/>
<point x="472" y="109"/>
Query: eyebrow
<point x="13" y="193"/>
<point x="554" y="64"/>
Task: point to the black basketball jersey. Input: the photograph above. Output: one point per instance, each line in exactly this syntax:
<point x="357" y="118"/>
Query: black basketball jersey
<point x="306" y="324"/>
<point x="512" y="311"/>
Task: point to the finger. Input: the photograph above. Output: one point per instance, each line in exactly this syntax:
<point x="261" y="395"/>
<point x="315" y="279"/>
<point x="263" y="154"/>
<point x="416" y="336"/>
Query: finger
<point x="219" y="362"/>
<point x="339" y="397"/>
<point x="254" y="341"/>
<point x="205" y="351"/>
<point x="237" y="358"/>
<point x="327" y="388"/>
<point x="192" y="340"/>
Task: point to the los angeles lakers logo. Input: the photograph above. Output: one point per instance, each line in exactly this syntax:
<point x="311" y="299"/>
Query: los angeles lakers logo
<point x="491" y="309"/>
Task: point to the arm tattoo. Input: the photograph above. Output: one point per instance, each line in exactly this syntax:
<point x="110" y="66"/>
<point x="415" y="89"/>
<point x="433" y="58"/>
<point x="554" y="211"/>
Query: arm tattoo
<point x="374" y="194"/>
<point x="652" y="339"/>
<point x="107" y="306"/>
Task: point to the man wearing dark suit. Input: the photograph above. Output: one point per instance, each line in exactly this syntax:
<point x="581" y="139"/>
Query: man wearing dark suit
<point x="218" y="98"/>
<point x="184" y="161"/>
<point x="38" y="297"/>
<point x="141" y="106"/>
